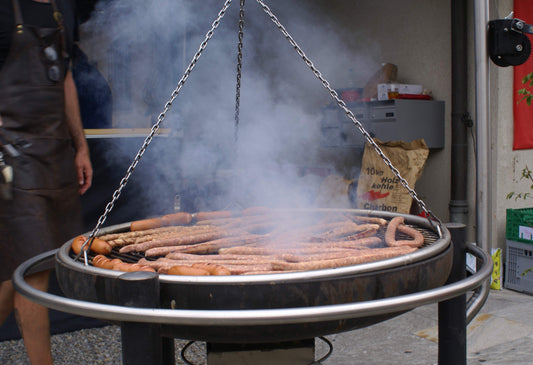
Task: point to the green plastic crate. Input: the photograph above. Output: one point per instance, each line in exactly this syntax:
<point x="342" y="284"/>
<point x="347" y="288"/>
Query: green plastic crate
<point x="515" y="219"/>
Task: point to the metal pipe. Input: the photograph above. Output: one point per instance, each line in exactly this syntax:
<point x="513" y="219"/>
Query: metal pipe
<point x="483" y="156"/>
<point x="458" y="205"/>
<point x="251" y="316"/>
<point x="477" y="300"/>
<point x="483" y="136"/>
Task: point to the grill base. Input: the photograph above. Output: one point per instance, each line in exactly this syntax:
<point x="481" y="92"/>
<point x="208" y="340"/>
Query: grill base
<point x="286" y="353"/>
<point x="188" y="318"/>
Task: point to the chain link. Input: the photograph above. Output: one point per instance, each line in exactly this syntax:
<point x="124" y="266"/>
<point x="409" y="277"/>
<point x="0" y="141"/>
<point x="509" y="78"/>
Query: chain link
<point x="349" y="113"/>
<point x="192" y="64"/>
<point x="239" y="72"/>
<point x="155" y="127"/>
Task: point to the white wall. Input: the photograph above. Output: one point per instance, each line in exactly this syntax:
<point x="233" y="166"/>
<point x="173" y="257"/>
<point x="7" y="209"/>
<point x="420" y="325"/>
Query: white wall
<point x="415" y="35"/>
<point x="507" y="164"/>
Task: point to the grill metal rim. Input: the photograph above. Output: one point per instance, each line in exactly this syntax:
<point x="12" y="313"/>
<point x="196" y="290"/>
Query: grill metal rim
<point x="253" y="316"/>
<point x="428" y="251"/>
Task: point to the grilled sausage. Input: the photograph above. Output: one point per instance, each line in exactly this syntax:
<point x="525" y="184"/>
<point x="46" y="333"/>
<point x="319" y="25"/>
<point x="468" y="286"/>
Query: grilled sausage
<point x="97" y="245"/>
<point x="255" y="211"/>
<point x="179" y="240"/>
<point x="187" y="270"/>
<point x="99" y="260"/>
<point x="396" y="223"/>
<point x="143" y="224"/>
<point x="202" y="216"/>
<point x="348" y="229"/>
<point x="100" y="246"/>
<point x="205" y="247"/>
<point x="213" y="269"/>
<point x="77" y="243"/>
<point x="175" y="219"/>
<point x="138" y="267"/>
<point x="363" y="257"/>
<point x="373" y="220"/>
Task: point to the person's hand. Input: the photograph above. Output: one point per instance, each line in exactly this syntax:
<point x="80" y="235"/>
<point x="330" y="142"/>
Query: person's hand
<point x="84" y="170"/>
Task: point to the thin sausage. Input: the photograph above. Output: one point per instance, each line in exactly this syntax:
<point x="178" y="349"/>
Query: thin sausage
<point x="314" y="257"/>
<point x="213" y="269"/>
<point x="205" y="247"/>
<point x="186" y="270"/>
<point x="174" y="219"/>
<point x="156" y="233"/>
<point x="139" y="267"/>
<point x="374" y="220"/>
<point x="295" y="249"/>
<point x="259" y="210"/>
<point x="179" y="240"/>
<point x="265" y="272"/>
<point x="372" y="241"/>
<point x="219" y="222"/>
<point x="202" y="216"/>
<point x="243" y="269"/>
<point x="121" y="266"/>
<point x="212" y="258"/>
<point x="369" y="256"/>
<point x="396" y="223"/>
<point x="348" y="230"/>
<point x="144" y="224"/>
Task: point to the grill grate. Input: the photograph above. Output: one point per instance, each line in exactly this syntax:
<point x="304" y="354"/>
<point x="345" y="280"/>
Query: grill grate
<point x="133" y="257"/>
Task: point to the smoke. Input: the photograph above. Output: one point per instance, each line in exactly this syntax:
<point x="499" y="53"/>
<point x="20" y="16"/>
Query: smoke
<point x="144" y="48"/>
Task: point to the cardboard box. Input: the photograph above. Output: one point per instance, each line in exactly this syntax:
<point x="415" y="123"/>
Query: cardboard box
<point x="385" y="89"/>
<point x="410" y="89"/>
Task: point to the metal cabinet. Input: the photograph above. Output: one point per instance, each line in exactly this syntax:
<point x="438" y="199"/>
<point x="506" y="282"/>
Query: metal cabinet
<point x="387" y="120"/>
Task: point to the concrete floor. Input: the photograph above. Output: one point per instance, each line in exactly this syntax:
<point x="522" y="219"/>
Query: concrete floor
<point x="501" y="333"/>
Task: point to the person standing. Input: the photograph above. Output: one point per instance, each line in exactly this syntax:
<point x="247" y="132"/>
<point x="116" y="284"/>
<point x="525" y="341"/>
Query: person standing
<point x="44" y="144"/>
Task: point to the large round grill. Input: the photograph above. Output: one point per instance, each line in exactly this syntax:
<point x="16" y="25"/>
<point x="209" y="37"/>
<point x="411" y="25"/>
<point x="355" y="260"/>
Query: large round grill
<point x="426" y="268"/>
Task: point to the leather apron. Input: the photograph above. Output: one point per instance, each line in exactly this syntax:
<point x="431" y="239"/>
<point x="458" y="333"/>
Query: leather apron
<point x="46" y="208"/>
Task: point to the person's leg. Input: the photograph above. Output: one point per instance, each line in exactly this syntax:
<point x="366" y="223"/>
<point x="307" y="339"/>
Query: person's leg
<point x="6" y="300"/>
<point x="34" y="323"/>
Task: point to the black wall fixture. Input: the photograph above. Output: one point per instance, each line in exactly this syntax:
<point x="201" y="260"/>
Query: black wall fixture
<point x="508" y="43"/>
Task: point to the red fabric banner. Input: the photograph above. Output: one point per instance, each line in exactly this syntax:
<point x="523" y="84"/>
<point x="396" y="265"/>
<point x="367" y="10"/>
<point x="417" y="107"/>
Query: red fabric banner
<point x="523" y="113"/>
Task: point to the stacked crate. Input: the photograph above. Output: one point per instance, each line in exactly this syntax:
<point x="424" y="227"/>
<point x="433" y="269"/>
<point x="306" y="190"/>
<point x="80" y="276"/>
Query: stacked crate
<point x="519" y="250"/>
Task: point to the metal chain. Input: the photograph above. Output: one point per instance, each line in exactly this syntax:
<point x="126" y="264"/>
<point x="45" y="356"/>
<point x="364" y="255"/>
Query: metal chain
<point x="239" y="72"/>
<point x="348" y="112"/>
<point x="155" y="127"/>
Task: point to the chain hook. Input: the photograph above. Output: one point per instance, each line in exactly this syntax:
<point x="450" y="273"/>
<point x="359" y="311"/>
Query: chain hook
<point x="160" y="118"/>
<point x="348" y="112"/>
<point x="239" y="73"/>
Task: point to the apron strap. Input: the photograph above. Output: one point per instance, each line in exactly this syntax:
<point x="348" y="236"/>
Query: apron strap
<point x="58" y="17"/>
<point x="18" y="16"/>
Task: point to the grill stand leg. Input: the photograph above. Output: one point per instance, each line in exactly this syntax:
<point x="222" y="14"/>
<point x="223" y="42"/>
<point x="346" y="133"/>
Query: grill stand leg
<point x="452" y="312"/>
<point x="142" y="343"/>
